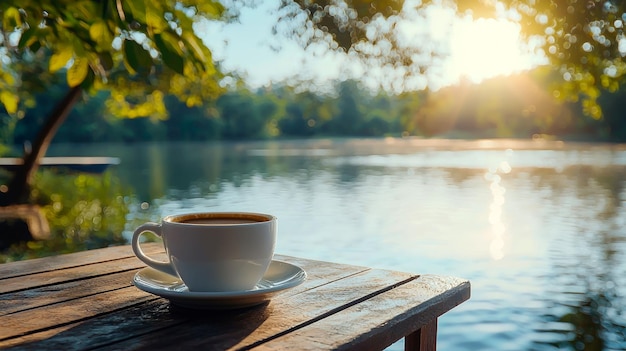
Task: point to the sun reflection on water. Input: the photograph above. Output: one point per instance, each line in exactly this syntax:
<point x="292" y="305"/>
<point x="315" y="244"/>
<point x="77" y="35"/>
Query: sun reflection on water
<point x="498" y="229"/>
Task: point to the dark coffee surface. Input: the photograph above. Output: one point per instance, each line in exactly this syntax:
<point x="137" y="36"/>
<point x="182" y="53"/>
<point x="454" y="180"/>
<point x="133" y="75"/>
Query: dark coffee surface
<point x="225" y="218"/>
<point x="224" y="221"/>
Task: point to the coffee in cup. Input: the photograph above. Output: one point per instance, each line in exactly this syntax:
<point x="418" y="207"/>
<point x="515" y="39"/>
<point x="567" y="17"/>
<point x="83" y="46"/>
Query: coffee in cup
<point x="213" y="251"/>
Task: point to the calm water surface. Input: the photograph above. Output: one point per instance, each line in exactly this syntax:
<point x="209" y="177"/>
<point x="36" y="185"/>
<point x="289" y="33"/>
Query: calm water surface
<point x="538" y="228"/>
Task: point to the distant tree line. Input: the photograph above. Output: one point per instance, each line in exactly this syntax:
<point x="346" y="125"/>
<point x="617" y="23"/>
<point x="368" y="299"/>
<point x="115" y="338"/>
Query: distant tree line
<point x="518" y="106"/>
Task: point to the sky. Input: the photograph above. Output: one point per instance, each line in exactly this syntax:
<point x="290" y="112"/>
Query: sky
<point x="473" y="50"/>
<point x="249" y="48"/>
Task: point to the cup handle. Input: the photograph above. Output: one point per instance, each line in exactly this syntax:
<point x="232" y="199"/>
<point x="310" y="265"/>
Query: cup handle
<point x="155" y="228"/>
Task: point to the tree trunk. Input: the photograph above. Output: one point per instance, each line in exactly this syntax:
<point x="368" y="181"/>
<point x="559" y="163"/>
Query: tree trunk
<point x="19" y="187"/>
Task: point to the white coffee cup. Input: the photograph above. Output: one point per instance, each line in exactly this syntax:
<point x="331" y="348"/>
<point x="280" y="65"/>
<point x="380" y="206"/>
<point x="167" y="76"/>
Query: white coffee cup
<point x="213" y="251"/>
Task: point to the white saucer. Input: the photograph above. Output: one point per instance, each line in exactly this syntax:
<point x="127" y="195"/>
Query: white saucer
<point x="279" y="276"/>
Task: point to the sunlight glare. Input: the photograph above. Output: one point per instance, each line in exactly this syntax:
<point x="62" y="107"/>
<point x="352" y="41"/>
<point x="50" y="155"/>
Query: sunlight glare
<point x="497" y="246"/>
<point x="486" y="48"/>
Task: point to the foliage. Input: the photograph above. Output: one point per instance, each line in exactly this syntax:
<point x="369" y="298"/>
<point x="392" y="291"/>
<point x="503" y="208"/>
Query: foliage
<point x="145" y="50"/>
<point x="515" y="106"/>
<point x="191" y="123"/>
<point x="84" y="212"/>
<point x="138" y="50"/>
<point x="583" y="39"/>
<point x="305" y="115"/>
<point x="242" y="117"/>
<point x="346" y="25"/>
<point x="348" y="109"/>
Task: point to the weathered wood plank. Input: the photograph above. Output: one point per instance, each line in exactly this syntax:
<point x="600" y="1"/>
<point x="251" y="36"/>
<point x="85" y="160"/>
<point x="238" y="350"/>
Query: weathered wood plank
<point x="67" y="278"/>
<point x="381" y="320"/>
<point x="64" y="291"/>
<point x="88" y="164"/>
<point x="77" y="303"/>
<point x="98" y="331"/>
<point x="153" y="315"/>
<point x="46" y="317"/>
<point x="47" y="295"/>
<point x="52" y="278"/>
<point x="281" y="315"/>
<point x="72" y="268"/>
<point x="46" y="264"/>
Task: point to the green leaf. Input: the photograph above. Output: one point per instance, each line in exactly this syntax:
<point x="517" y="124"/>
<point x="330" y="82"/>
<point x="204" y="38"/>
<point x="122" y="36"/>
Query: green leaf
<point x="136" y="58"/>
<point x="89" y="80"/>
<point x="197" y="47"/>
<point x="78" y="72"/>
<point x="154" y="18"/>
<point x="170" y="51"/>
<point x="9" y="100"/>
<point x="35" y="46"/>
<point x="78" y="46"/>
<point x="85" y="9"/>
<point x="106" y="60"/>
<point x="28" y="38"/>
<point x="99" y="32"/>
<point x="138" y="9"/>
<point x="12" y="19"/>
<point x="212" y="9"/>
<point x="60" y="58"/>
<point x="6" y="78"/>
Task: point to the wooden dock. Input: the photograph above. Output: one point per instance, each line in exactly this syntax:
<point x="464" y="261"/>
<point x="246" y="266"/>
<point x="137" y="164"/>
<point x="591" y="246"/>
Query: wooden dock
<point x="80" y="164"/>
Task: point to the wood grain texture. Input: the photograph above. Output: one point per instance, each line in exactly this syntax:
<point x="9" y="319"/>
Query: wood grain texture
<point x="50" y="316"/>
<point x="67" y="299"/>
<point x="53" y="278"/>
<point x="41" y="296"/>
<point x="46" y="264"/>
<point x="281" y="316"/>
<point x="99" y="330"/>
<point x="380" y="321"/>
<point x="86" y="301"/>
<point x="109" y="276"/>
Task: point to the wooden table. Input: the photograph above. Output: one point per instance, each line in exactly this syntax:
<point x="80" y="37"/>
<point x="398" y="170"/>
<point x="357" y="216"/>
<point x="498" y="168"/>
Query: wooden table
<point x="86" y="300"/>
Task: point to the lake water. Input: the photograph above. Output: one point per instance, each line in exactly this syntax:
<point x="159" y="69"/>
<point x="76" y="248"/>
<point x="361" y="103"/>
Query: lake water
<point x="539" y="228"/>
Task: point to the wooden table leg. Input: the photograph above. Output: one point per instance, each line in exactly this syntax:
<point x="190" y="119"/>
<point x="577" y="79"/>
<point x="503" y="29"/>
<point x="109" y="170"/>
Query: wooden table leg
<point x="424" y="339"/>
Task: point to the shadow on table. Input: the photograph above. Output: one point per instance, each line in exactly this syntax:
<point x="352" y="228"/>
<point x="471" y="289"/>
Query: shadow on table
<point x="152" y="325"/>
